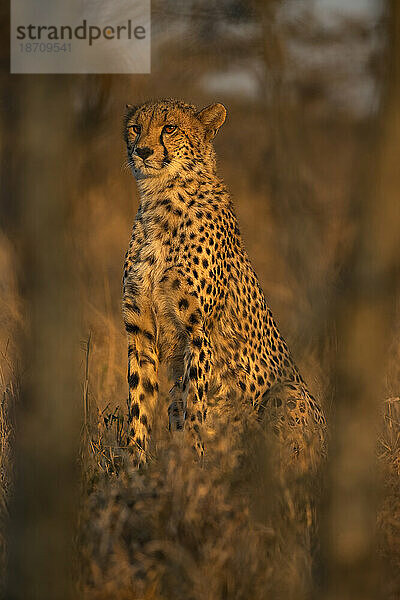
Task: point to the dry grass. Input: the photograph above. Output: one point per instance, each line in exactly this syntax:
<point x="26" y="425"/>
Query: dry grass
<point x="179" y="530"/>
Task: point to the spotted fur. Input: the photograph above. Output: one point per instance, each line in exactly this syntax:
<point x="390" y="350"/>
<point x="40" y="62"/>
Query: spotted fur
<point x="191" y="297"/>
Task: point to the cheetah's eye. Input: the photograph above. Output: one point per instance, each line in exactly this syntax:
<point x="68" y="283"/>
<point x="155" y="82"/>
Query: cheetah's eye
<point x="135" y="129"/>
<point x="169" y="128"/>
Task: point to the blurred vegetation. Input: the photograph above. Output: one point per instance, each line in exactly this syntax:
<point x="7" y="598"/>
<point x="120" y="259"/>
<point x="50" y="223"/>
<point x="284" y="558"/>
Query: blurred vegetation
<point x="309" y="152"/>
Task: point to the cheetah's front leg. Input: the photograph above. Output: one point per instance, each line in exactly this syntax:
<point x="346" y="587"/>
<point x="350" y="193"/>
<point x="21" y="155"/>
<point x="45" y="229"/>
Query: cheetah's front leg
<point x="142" y="374"/>
<point x="177" y="407"/>
<point x="184" y="305"/>
<point x="188" y="408"/>
<point x="197" y="367"/>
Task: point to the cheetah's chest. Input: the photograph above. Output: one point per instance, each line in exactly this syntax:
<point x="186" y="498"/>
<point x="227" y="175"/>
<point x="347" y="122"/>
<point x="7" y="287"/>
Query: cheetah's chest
<point x="150" y="265"/>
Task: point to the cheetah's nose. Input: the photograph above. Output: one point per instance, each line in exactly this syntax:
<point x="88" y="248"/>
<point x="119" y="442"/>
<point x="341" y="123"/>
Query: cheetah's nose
<point x="144" y="152"/>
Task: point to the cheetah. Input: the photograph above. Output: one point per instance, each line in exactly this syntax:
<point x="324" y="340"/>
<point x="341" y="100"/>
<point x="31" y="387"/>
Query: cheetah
<point x="191" y="299"/>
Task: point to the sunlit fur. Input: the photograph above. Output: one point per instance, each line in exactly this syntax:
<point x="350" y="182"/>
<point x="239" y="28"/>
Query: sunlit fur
<point x="191" y="298"/>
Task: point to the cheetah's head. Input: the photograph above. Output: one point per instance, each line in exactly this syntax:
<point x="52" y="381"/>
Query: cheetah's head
<point x="170" y="136"/>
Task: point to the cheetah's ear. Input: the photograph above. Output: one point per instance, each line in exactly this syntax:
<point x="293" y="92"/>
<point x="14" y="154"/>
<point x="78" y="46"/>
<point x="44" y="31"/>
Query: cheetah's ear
<point x="130" y="108"/>
<point x="212" y="117"/>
